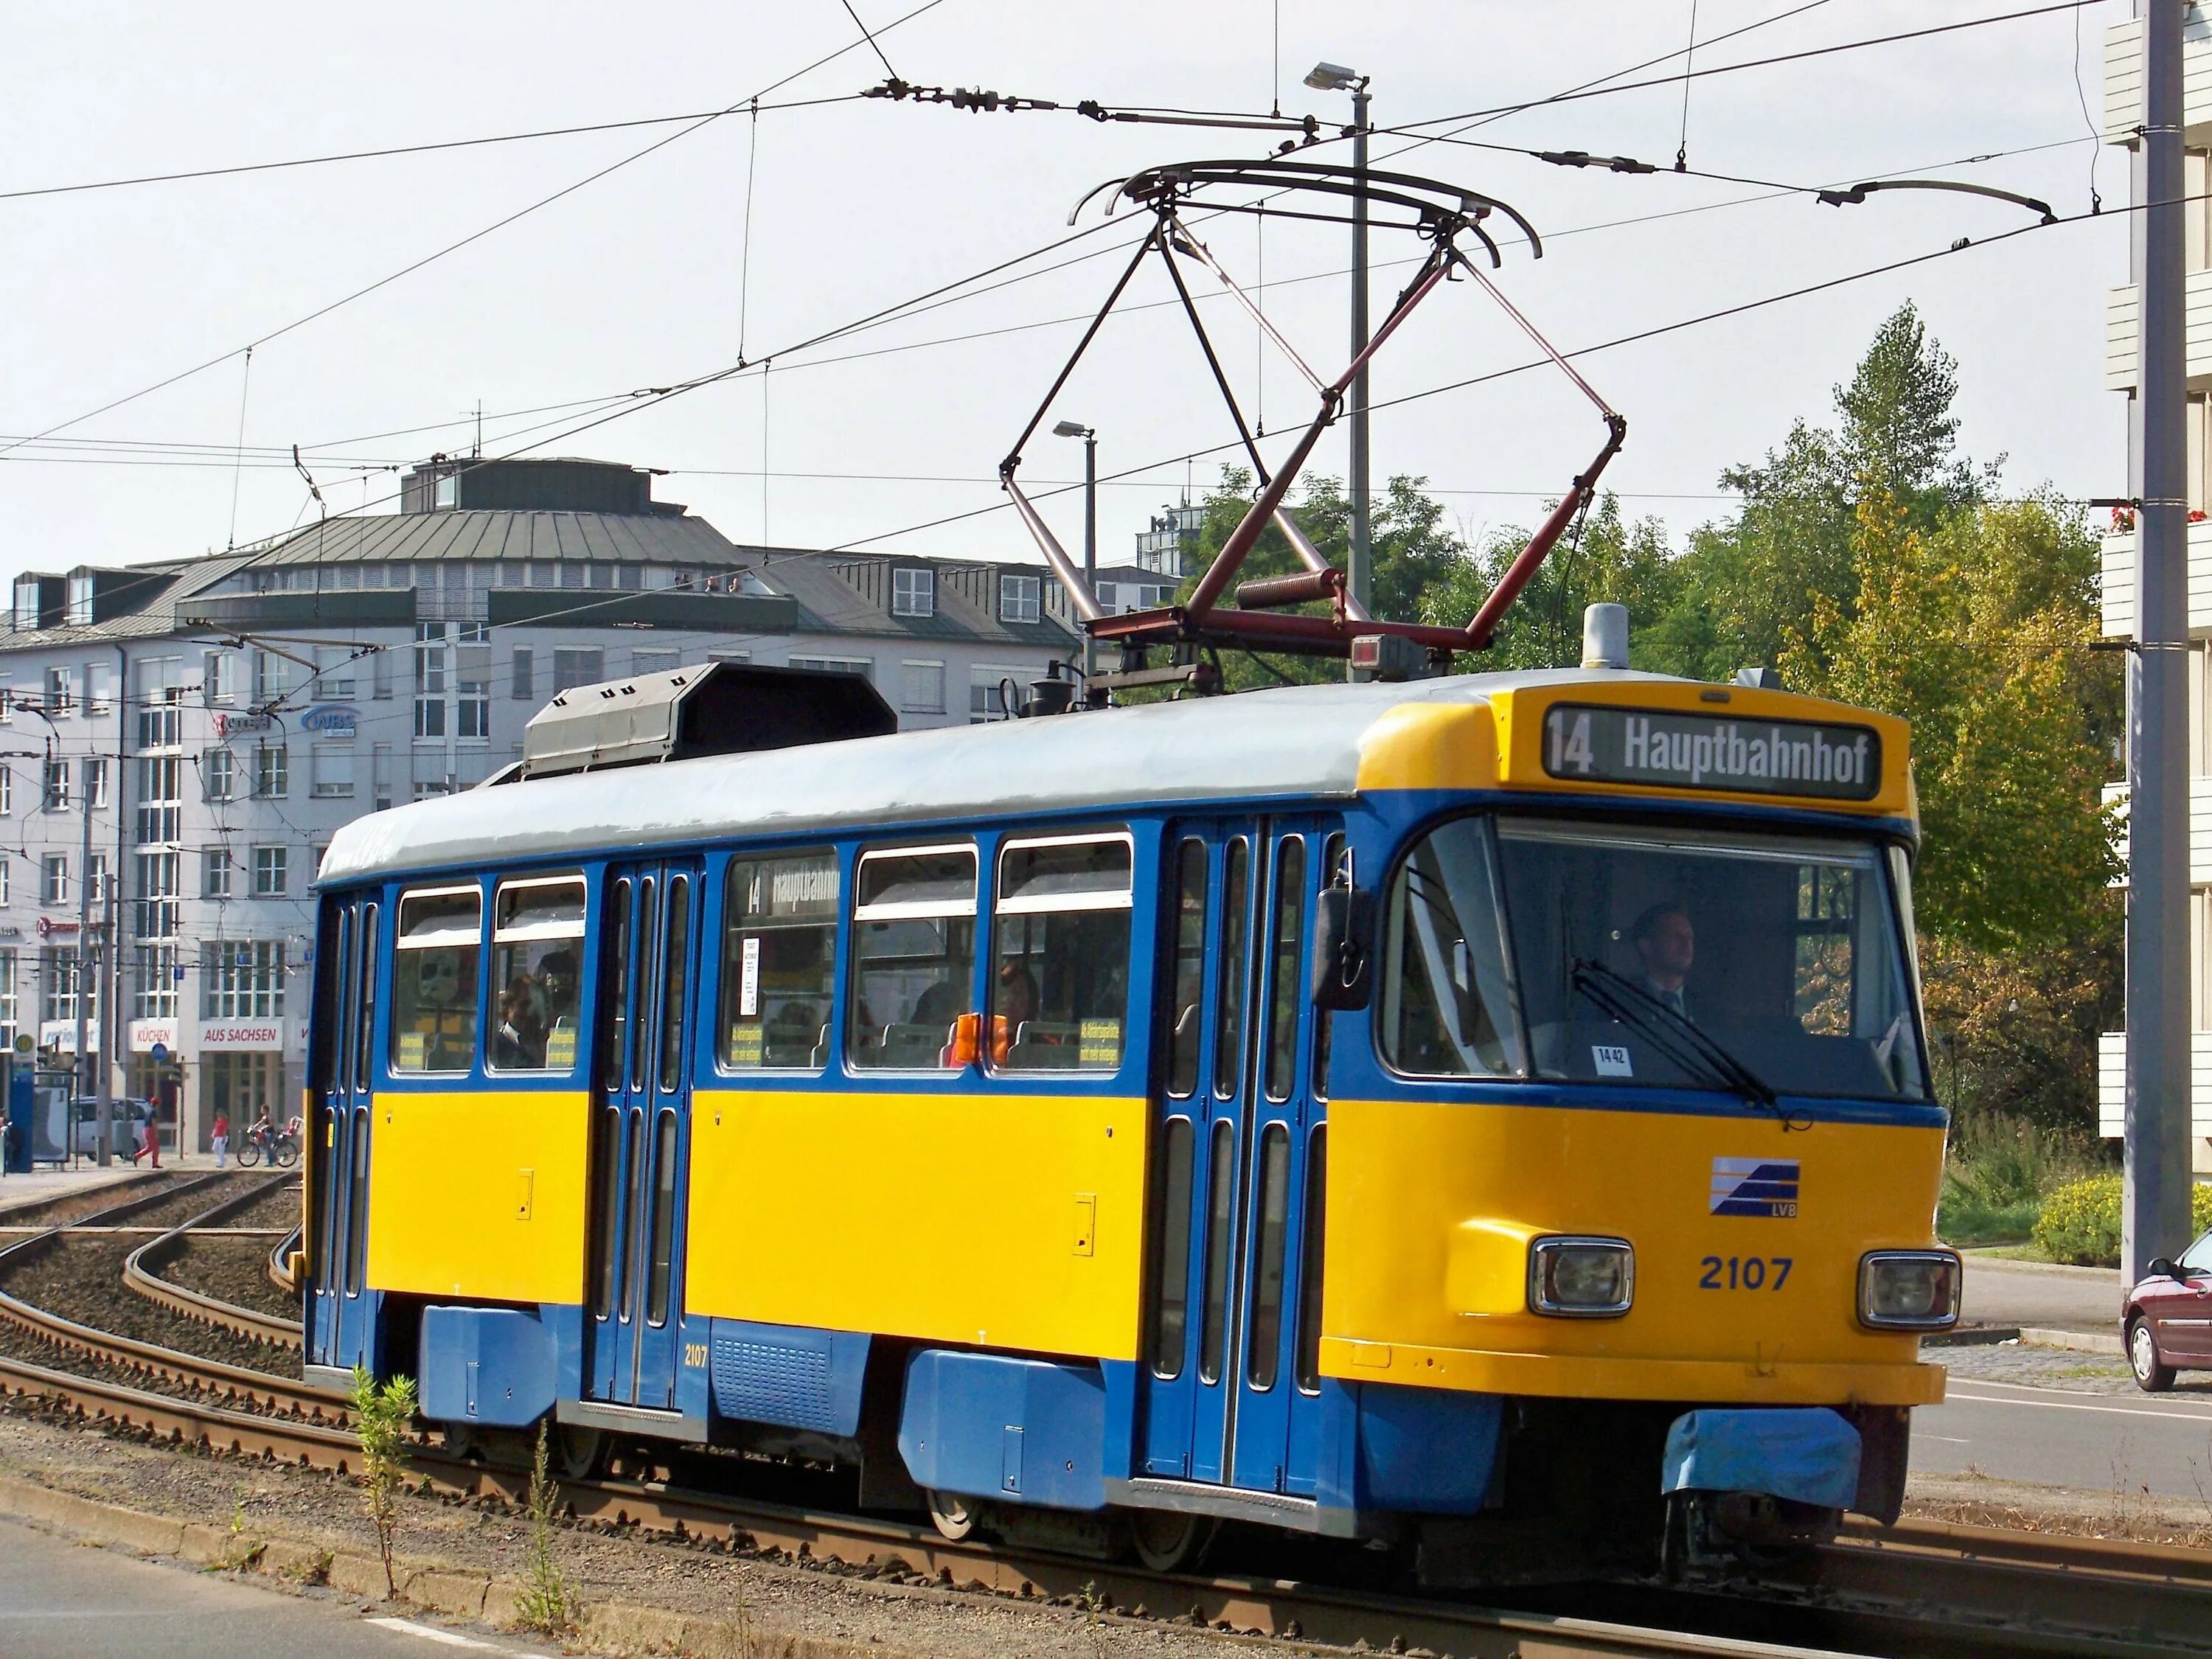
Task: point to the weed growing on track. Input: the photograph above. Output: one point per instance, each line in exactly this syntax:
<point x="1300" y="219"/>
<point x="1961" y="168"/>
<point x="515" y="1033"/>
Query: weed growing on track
<point x="547" y="1604"/>
<point x="380" y="1420"/>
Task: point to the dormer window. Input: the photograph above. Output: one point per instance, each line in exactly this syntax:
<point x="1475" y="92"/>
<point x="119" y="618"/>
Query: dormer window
<point x="914" y="592"/>
<point x="1020" y="598"/>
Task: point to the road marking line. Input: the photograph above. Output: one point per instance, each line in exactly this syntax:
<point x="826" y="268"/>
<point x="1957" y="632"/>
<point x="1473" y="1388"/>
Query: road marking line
<point x="1947" y="1439"/>
<point x="1954" y="1394"/>
<point x="432" y="1633"/>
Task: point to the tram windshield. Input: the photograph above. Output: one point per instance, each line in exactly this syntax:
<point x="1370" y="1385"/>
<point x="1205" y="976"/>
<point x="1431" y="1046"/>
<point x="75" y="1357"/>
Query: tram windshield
<point x="1761" y="964"/>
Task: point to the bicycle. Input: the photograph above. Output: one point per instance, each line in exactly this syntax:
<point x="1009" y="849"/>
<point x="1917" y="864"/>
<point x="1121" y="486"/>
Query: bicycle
<point x="279" y="1146"/>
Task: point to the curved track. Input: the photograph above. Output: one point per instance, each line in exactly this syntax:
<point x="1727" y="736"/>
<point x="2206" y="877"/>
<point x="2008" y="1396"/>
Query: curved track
<point x="141" y="1272"/>
<point x="1917" y="1589"/>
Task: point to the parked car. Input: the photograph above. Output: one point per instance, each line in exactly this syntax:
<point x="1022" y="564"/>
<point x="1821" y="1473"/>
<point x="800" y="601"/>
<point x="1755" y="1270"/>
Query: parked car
<point x="2169" y="1318"/>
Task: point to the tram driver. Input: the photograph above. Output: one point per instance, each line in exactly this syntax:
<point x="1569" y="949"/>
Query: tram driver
<point x="1666" y="945"/>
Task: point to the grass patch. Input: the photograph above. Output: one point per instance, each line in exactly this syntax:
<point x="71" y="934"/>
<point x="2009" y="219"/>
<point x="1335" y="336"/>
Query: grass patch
<point x="1997" y="1172"/>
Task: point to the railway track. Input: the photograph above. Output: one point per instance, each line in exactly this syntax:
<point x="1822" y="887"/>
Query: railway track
<point x="1921" y="1588"/>
<point x="140" y="1274"/>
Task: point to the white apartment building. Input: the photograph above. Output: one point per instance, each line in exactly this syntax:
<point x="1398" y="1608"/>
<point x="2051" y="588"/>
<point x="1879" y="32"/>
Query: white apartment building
<point x="179" y="740"/>
<point x="2123" y="116"/>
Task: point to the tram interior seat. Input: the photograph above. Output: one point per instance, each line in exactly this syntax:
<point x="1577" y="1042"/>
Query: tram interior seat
<point x="917" y="1046"/>
<point x="1044" y="1045"/>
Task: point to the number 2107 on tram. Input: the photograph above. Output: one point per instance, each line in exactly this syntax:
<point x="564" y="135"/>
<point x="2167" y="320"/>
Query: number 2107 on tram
<point x="1486" y="1115"/>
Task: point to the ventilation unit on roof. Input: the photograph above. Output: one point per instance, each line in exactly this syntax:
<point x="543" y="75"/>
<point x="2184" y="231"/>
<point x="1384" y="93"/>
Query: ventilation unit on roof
<point x="717" y="708"/>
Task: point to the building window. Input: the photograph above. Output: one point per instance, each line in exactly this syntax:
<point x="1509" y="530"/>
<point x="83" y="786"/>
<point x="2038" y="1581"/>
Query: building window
<point x="156" y="994"/>
<point x="95" y="784"/>
<point x="81" y="609"/>
<point x="332" y="763"/>
<point x="379" y="675"/>
<point x="914" y="592"/>
<point x="472" y="679"/>
<point x="95" y="876"/>
<point x="10" y="1009"/>
<point x="380" y="775"/>
<point x="272" y="771"/>
<point x="98" y="688"/>
<point x="5" y="867"/>
<point x="55" y="795"/>
<point x="1021" y="598"/>
<point x="272" y="676"/>
<point x="54" y="883"/>
<point x="219" y="774"/>
<point x="525" y="673"/>
<point x="61" y="691"/>
<point x="429" y="717"/>
<point x="923" y="688"/>
<point x="57" y="982"/>
<point x="987" y="686"/>
<point x="861" y="665"/>
<point x="215" y="873"/>
<point x="160" y="681"/>
<point x="242" y="979"/>
<point x="576" y="667"/>
<point x="655" y="662"/>
<point x="7" y="792"/>
<point x="160" y="799"/>
<point x="219" y="677"/>
<point x="334" y="672"/>
<point x="269" y="871"/>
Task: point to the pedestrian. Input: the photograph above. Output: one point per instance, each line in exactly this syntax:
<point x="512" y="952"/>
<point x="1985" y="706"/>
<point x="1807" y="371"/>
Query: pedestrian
<point x="142" y="1131"/>
<point x="220" y="1137"/>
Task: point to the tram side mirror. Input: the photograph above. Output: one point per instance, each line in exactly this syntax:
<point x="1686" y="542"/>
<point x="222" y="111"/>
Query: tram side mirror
<point x="1343" y="948"/>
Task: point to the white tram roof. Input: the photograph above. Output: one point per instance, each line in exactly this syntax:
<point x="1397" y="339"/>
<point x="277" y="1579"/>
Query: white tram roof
<point x="1289" y="741"/>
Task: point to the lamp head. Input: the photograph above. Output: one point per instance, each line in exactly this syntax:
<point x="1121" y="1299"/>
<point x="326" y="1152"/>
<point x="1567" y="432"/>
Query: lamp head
<point x="1071" y="430"/>
<point x="1333" y="78"/>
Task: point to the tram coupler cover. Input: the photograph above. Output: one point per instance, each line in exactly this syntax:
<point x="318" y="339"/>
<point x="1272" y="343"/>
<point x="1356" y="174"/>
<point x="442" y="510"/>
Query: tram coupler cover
<point x="1801" y="1455"/>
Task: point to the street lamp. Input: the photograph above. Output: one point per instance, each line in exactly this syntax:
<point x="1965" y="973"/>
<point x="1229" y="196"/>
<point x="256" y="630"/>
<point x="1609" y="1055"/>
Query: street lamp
<point x="1090" y="436"/>
<point x="1334" y="77"/>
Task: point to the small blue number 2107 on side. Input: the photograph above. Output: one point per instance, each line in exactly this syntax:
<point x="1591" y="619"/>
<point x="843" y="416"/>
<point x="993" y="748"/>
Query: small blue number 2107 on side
<point x="1745" y="1272"/>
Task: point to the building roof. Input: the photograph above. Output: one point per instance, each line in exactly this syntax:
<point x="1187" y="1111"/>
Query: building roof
<point x="1294" y="743"/>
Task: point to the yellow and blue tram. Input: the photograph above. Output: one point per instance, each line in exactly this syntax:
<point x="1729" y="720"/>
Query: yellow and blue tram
<point x="979" y="1108"/>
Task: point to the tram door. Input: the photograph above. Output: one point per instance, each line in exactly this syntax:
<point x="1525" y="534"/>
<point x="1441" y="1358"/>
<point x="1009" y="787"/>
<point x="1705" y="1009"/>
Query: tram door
<point x="640" y="1136"/>
<point x="1222" y="1384"/>
<point x="339" y="1322"/>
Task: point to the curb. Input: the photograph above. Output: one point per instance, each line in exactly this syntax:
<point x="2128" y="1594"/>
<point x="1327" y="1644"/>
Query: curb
<point x="481" y="1597"/>
<point x="1974" y="1336"/>
<point x="2108" y="1342"/>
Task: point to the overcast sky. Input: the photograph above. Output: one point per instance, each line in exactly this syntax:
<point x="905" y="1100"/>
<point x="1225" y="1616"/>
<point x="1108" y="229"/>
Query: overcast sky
<point x="643" y="277"/>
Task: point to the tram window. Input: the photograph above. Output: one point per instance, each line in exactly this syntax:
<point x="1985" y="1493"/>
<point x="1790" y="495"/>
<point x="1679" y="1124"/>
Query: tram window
<point x="1310" y="1260"/>
<point x="606" y="1263"/>
<point x="1170" y="1250"/>
<point x="632" y="1213"/>
<point x="1444" y="1008"/>
<point x="913" y="956"/>
<point x="663" y="1218"/>
<point x="357" y="1207"/>
<point x="614" y="986"/>
<point x="1189" y="967"/>
<point x="1332" y="865"/>
<point x="779" y="961"/>
<point x="1229" y="1019"/>
<point x="365" y="993"/>
<point x="1060" y="994"/>
<point x="1272" y="1212"/>
<point x="1220" y="1229"/>
<point x="434" y="991"/>
<point x="537" y="943"/>
<point x="1282" y="1043"/>
<point x="675" y="982"/>
<point x="640" y="1013"/>
<point x="333" y="1012"/>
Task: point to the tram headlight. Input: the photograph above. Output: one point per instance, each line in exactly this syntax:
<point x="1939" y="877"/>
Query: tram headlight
<point x="1909" y="1290"/>
<point x="1579" y="1278"/>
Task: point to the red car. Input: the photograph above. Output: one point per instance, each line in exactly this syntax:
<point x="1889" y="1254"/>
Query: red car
<point x="2169" y="1318"/>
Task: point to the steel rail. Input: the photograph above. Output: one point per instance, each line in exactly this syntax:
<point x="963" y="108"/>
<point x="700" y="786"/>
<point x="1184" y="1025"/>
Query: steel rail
<point x="283" y="1261"/>
<point x="192" y="1372"/>
<point x="140" y="1275"/>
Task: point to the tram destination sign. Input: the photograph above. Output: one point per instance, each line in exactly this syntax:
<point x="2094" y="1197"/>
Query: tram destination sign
<point x="1685" y="751"/>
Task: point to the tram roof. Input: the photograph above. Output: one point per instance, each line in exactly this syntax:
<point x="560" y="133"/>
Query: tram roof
<point x="1288" y="742"/>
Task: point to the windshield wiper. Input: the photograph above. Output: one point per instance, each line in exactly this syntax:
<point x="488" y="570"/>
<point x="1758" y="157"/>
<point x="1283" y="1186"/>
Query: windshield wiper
<point x="1622" y="998"/>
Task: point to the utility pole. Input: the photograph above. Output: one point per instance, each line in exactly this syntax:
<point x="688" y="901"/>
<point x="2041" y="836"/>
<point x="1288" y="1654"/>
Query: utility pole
<point x="85" y="983"/>
<point x="1089" y="549"/>
<point x="2154" y="1211"/>
<point x="1360" y="573"/>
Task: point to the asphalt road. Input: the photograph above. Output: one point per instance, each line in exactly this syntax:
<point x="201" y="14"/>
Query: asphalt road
<point x="2059" y="1438"/>
<point x="60" y="1600"/>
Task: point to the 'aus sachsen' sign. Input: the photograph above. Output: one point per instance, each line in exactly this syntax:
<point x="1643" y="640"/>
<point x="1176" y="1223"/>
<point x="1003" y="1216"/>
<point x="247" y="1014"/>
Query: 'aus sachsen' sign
<point x="1711" y="751"/>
